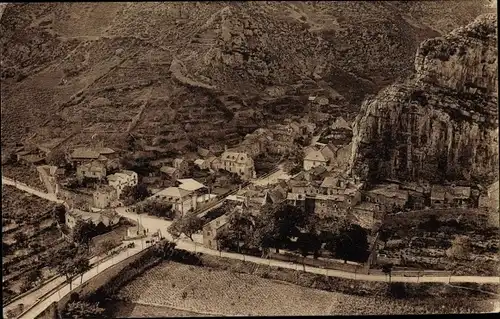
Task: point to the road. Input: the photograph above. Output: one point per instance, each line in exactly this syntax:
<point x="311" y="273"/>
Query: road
<point x="153" y="224"/>
<point x="64" y="290"/>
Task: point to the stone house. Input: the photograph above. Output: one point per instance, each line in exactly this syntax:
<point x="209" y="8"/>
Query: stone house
<point x="106" y="218"/>
<point x="105" y="197"/>
<point x="204" y="153"/>
<point x="314" y="158"/>
<point x="201" y="163"/>
<point x="490" y="198"/>
<point x="450" y="196"/>
<point x="172" y="172"/>
<point x="238" y="163"/>
<point x="329" y="205"/>
<point x="181" y="165"/>
<point x="93" y="170"/>
<point x="211" y="229"/>
<point x="389" y="196"/>
<point x="122" y="179"/>
<point x="333" y="185"/>
<point x="183" y="201"/>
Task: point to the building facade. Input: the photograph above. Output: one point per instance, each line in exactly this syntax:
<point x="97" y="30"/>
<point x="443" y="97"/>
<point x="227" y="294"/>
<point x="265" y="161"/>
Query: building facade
<point x="121" y="180"/>
<point x="238" y="163"/>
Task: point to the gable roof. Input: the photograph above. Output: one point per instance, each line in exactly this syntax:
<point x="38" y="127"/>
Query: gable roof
<point x="340" y="123"/>
<point x="169" y="170"/>
<point x="84" y="153"/>
<point x="175" y="192"/>
<point x="190" y="184"/>
<point x="203" y="152"/>
<point x="199" y="161"/>
<point x="314" y="155"/>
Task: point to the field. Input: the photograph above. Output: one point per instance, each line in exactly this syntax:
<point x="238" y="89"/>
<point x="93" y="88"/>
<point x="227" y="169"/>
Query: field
<point x="29" y="238"/>
<point x="23" y="173"/>
<point x="208" y="290"/>
<point x="424" y="244"/>
<point x="122" y="309"/>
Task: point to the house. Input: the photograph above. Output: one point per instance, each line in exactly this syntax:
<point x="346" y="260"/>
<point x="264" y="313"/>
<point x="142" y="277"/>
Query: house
<point x="489" y="199"/>
<point x="438" y="196"/>
<point x="238" y="163"/>
<point x="340" y="124"/>
<point x="172" y="172"/>
<point x="275" y="195"/>
<point x="296" y="199"/>
<point x="182" y="200"/>
<point x="389" y="196"/>
<point x="190" y="185"/>
<point x="104" y="196"/>
<point x="201" y="163"/>
<point x="211" y="229"/>
<point x="450" y="196"/>
<point x="314" y="158"/>
<point x="83" y="154"/>
<point x="181" y="165"/>
<point x="106" y="218"/>
<point x="333" y="185"/>
<point x="328" y="205"/>
<point x="94" y="170"/>
<point x="122" y="179"/>
<point x="204" y="153"/>
<point x="213" y="163"/>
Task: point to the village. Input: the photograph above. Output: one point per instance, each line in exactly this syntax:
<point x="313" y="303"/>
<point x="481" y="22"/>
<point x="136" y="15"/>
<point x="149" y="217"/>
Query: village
<point x="295" y="164"/>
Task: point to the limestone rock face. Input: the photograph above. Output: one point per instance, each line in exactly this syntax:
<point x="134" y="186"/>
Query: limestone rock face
<point x="441" y="123"/>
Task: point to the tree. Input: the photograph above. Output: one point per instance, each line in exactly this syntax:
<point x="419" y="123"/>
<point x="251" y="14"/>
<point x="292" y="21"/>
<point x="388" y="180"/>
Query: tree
<point x="58" y="213"/>
<point x="83" y="310"/>
<point x="308" y="243"/>
<point x="20" y="237"/>
<point x="83" y="232"/>
<point x="107" y="245"/>
<point x="278" y="223"/>
<point x="240" y="231"/>
<point x="187" y="225"/>
<point x="460" y="248"/>
<point x="6" y="249"/>
<point x="34" y="275"/>
<point x="81" y="264"/>
<point x="430" y="225"/>
<point x="157" y="208"/>
<point x="168" y="249"/>
<point x="131" y="194"/>
<point x="56" y="157"/>
<point x="387" y="269"/>
<point x="352" y="244"/>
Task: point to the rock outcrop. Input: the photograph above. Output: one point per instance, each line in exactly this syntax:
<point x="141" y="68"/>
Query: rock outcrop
<point x="441" y="123"/>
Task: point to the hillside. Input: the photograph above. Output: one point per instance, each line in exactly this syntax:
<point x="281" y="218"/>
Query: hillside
<point x="440" y="124"/>
<point x="189" y="74"/>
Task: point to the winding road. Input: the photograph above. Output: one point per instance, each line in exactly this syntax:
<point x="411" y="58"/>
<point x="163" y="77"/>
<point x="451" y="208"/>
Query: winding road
<point x="154" y="224"/>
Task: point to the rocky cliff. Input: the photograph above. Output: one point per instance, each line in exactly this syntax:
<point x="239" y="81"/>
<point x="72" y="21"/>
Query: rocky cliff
<point x="442" y="122"/>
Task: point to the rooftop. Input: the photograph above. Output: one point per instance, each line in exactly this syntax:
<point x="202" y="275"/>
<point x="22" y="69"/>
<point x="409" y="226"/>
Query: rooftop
<point x="175" y="192"/>
<point x="390" y="191"/>
<point x="169" y="170"/>
<point x="190" y="184"/>
<point x="314" y="155"/>
<point x="84" y="153"/>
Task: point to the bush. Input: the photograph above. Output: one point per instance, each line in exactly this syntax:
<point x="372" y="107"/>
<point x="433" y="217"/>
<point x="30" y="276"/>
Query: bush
<point x="397" y="290"/>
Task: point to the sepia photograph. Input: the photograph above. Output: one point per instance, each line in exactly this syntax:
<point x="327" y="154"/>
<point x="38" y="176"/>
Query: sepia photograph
<point x="249" y="158"/>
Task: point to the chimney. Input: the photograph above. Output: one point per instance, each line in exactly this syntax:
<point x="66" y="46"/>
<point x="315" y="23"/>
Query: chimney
<point x="225" y="148"/>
